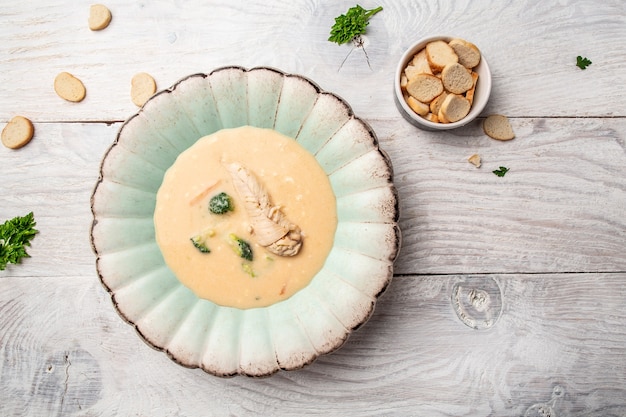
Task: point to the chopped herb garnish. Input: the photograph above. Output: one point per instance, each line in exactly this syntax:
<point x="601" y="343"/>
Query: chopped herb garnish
<point x="500" y="172"/>
<point x="582" y="63"/>
<point x="15" y="235"/>
<point x="352" y="24"/>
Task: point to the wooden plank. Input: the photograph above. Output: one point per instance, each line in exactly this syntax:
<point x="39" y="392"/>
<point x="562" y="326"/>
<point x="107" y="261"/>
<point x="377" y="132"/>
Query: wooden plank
<point x="532" y="58"/>
<point x="64" y="351"/>
<point x="560" y="208"/>
<point x="550" y="234"/>
<point x="54" y="176"/>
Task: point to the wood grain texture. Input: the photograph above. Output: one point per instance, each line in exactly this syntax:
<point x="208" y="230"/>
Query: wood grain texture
<point x="54" y="177"/>
<point x="551" y="233"/>
<point x="560" y="208"/>
<point x="65" y="351"/>
<point x="532" y="57"/>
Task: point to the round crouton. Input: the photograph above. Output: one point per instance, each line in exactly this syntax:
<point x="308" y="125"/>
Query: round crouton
<point x="497" y="126"/>
<point x="456" y="79"/>
<point x="424" y="87"/>
<point x="17" y="133"/>
<point x="454" y="108"/>
<point x="468" y="53"/>
<point x="440" y="54"/>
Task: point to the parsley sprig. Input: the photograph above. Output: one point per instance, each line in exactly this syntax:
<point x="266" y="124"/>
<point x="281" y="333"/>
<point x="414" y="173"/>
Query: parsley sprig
<point x="582" y="63"/>
<point x="352" y="24"/>
<point x="15" y="235"/>
<point x="500" y="172"/>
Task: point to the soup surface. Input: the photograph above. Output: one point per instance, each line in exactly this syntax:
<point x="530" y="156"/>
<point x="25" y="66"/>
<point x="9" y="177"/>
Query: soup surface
<point x="294" y="182"/>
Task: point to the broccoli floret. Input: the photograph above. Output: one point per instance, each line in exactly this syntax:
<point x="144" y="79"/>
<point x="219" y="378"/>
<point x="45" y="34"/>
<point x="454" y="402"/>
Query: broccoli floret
<point x="200" y="244"/>
<point x="221" y="203"/>
<point x="199" y="241"/>
<point x="241" y="247"/>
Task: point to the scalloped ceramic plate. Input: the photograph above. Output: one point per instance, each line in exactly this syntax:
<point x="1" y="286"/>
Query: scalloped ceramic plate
<point x="226" y="341"/>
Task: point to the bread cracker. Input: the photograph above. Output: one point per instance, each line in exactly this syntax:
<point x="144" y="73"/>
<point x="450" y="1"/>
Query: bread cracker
<point x="99" y="17"/>
<point x="475" y="160"/>
<point x="454" y="108"/>
<point x="470" y="93"/>
<point x="456" y="79"/>
<point x="497" y="126"/>
<point x="69" y="87"/>
<point x="421" y="62"/>
<point x="17" y="133"/>
<point x="468" y="53"/>
<point x="435" y="105"/>
<point x="439" y="54"/>
<point x="417" y="106"/>
<point x="431" y="117"/>
<point x="424" y="87"/>
<point x="142" y="87"/>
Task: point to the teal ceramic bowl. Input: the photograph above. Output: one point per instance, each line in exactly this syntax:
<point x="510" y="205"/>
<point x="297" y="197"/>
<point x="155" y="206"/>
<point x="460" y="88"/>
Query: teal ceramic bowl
<point x="226" y="341"/>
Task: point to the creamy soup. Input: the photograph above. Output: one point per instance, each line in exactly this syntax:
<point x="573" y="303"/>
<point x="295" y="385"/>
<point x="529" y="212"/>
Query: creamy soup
<point x="212" y="267"/>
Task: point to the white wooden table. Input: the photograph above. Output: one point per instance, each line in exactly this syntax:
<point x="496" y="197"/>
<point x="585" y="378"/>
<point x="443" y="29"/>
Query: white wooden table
<point x="551" y="234"/>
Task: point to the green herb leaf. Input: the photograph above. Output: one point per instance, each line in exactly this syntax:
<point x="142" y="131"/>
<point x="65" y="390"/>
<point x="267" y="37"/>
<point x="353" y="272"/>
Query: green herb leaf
<point x="15" y="235"/>
<point x="352" y="24"/>
<point x="500" y="172"/>
<point x="582" y="63"/>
